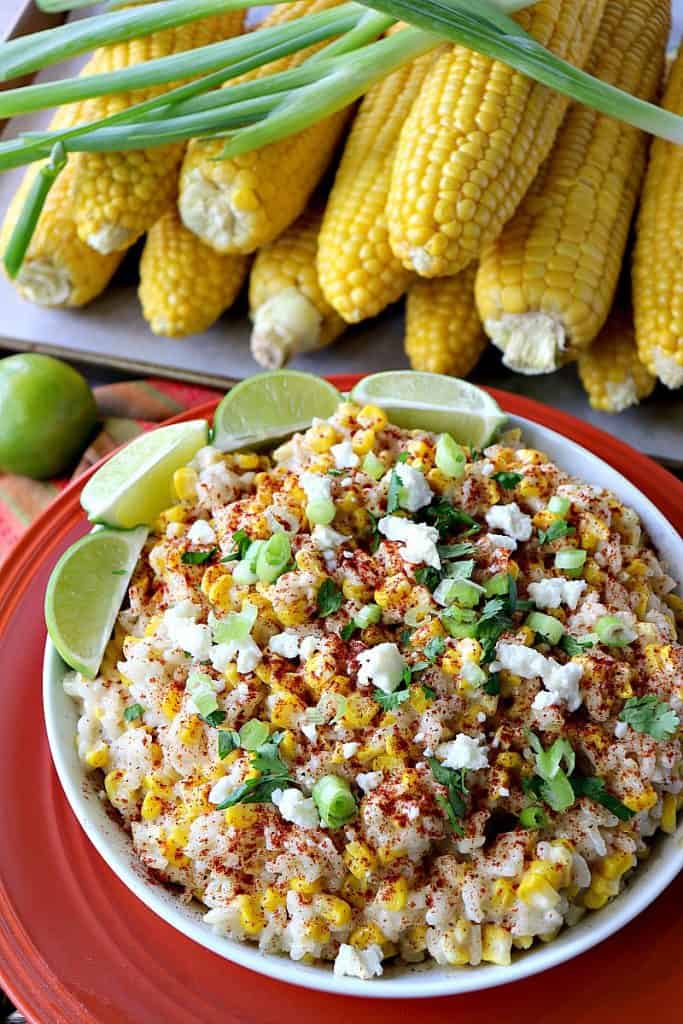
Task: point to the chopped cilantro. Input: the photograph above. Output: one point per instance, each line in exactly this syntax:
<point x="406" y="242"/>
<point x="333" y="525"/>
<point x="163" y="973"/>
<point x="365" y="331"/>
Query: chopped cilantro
<point x="446" y="518"/>
<point x="405" y="635"/>
<point x="228" y="740"/>
<point x="402" y="457"/>
<point x="407" y="675"/>
<point x="572" y="645"/>
<point x="428" y="576"/>
<point x="216" y="717"/>
<point x="348" y="630"/>
<point x="434" y="647"/>
<point x="133" y="711"/>
<point x="374" y="533"/>
<point x="492" y="685"/>
<point x="273" y="774"/>
<point x="651" y="716"/>
<point x="197" y="557"/>
<point x="420" y="666"/>
<point x="429" y="692"/>
<point x="454" y="781"/>
<point x="329" y="599"/>
<point x="476" y="454"/>
<point x="447" y="551"/>
<point x="241" y="541"/>
<point x="594" y="788"/>
<point x="394" y="492"/>
<point x="335" y="472"/>
<point x="560" y="528"/>
<point x="507" y="480"/>
<point x="390" y="701"/>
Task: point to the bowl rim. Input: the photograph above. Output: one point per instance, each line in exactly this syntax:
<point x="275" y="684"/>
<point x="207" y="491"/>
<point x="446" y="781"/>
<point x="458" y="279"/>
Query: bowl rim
<point x="407" y="983"/>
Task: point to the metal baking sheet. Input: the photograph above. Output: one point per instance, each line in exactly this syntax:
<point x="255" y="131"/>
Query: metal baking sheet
<point x="111" y="332"/>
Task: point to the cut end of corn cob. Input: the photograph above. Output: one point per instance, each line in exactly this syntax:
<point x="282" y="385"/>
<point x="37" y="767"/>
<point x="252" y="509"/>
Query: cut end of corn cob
<point x="285" y="324"/>
<point x="669" y="368"/>
<point x="531" y="343"/>
<point x="611" y="372"/>
<point x="44" y="283"/>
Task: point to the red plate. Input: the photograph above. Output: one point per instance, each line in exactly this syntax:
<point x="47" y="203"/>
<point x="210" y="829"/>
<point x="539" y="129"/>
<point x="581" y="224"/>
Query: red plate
<point x="76" y="947"/>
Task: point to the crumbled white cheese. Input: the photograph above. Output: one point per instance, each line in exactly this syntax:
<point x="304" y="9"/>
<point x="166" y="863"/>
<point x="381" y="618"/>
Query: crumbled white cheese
<point x="562" y="681"/>
<point x="620" y="729"/>
<point x="285" y="644"/>
<point x="554" y="591"/>
<point x="511" y="520"/>
<point x="185" y="633"/>
<point x="310" y="731"/>
<point x="381" y="666"/>
<point x="418" y="541"/>
<point x="358" y="963"/>
<point x="415" y="492"/>
<point x="368" y="781"/>
<point x="316" y="486"/>
<point x="344" y="455"/>
<point x="201" y="533"/>
<point x="349" y="749"/>
<point x="308" y="646"/>
<point x="221" y="790"/>
<point x="499" y="540"/>
<point x="464" y="751"/>
<point x="295" y="807"/>
<point x="327" y="539"/>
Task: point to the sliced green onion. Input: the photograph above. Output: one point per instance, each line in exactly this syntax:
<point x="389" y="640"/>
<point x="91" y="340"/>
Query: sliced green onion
<point x="244" y="572"/>
<point x="321" y="511"/>
<point x="205" y="702"/>
<point x="613" y="631"/>
<point x="546" y="626"/>
<point x="460" y="570"/>
<point x="254" y="734"/>
<point x="560" y="506"/>
<point x="533" y="816"/>
<point x="236" y="627"/>
<point x="459" y="622"/>
<point x="464" y="592"/>
<point x="23" y="230"/>
<point x="369" y="615"/>
<point x="133" y="711"/>
<point x="273" y="558"/>
<point x="335" y="802"/>
<point x="497" y="585"/>
<point x="373" y="466"/>
<point x="570" y="561"/>
<point x="450" y="457"/>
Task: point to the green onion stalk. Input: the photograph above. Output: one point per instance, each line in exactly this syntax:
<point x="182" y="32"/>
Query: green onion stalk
<point x="255" y="114"/>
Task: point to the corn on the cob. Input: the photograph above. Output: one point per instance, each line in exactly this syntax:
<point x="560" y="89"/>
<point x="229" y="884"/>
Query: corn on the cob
<point x="59" y="269"/>
<point x="359" y="273"/>
<point x="288" y="308"/>
<point x="119" y="196"/>
<point x="185" y="286"/>
<point x="547" y="283"/>
<point x="241" y="204"/>
<point x="611" y="372"/>
<point x="443" y="330"/>
<point x="657" y="267"/>
<point x="474" y="140"/>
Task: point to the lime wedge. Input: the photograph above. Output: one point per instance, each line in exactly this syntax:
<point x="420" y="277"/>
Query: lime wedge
<point x="269" y="406"/>
<point x="431" y="401"/>
<point x="133" y="487"/>
<point x="86" y="590"/>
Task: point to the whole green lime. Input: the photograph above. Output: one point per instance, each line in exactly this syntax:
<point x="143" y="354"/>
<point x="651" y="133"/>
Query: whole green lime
<point x="47" y="414"/>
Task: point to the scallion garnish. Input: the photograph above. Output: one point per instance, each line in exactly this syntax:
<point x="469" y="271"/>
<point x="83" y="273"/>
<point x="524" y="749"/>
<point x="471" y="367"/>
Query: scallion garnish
<point x="335" y="802"/>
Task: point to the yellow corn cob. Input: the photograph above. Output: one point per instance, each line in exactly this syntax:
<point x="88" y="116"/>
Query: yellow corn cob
<point x="359" y="274"/>
<point x="287" y="305"/>
<point x="59" y="269"/>
<point x="611" y="372"/>
<point x="443" y="330"/>
<point x="474" y="140"/>
<point x="185" y="286"/>
<point x="241" y="204"/>
<point x="657" y="268"/>
<point x="119" y="196"/>
<point x="547" y="283"/>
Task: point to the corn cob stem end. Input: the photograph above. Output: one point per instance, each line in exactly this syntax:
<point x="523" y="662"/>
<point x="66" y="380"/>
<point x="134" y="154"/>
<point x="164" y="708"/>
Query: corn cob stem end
<point x="531" y="343"/>
<point x="667" y="367"/>
<point x="44" y="283"/>
<point x="284" y="325"/>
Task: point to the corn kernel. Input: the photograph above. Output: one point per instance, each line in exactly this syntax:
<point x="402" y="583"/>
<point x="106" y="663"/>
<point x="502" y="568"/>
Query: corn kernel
<point x="641" y="801"/>
<point x="241" y="816"/>
<point x="353" y="890"/>
<point x="668" y="822"/>
<point x="288" y="745"/>
<point x="496" y="944"/>
<point x="592" y="531"/>
<point x="388" y="854"/>
<point x="211" y="575"/>
<point x="334" y="911"/>
<point x="304" y="886"/>
<point x="526" y="488"/>
<point x="537" y="890"/>
<point x="246" y="460"/>
<point x="393" y="895"/>
<point x="616" y="864"/>
<point x="191" y="732"/>
<point x="220" y="593"/>
<point x="272" y="899"/>
<point x="360" y="860"/>
<point x="174" y="514"/>
<point x="321" y="437"/>
<point x="363" y="441"/>
<point x="185" y="484"/>
<point x="98" y="756"/>
<point x="503" y="894"/>
<point x="509" y="759"/>
<point x="286" y="710"/>
<point x="368" y="934"/>
<point x="153" y="625"/>
<point x="416" y="938"/>
<point x="359" y="712"/>
<point x="171" y="703"/>
<point x="372" y="416"/>
<point x="251" y="916"/>
<point x="151" y="807"/>
<point x="387" y="762"/>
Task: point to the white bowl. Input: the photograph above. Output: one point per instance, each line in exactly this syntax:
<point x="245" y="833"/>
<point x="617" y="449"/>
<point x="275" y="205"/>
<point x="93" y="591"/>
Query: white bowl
<point x="419" y="981"/>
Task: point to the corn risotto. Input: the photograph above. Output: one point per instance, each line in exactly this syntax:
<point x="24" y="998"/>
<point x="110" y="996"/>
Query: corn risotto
<point x="376" y="697"/>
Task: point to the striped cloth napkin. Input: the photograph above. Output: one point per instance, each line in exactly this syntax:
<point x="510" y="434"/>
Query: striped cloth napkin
<point x="126" y="409"/>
